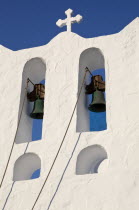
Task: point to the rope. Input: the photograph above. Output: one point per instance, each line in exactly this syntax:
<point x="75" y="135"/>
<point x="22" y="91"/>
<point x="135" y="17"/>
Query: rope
<point x="31" y="82"/>
<point x="14" y="137"/>
<point x="61" y="142"/>
<point x="87" y="69"/>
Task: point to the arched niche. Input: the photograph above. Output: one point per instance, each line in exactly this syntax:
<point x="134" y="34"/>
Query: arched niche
<point x="35" y="70"/>
<point x="93" y="59"/>
<point x="89" y="159"/>
<point x="25" y="166"/>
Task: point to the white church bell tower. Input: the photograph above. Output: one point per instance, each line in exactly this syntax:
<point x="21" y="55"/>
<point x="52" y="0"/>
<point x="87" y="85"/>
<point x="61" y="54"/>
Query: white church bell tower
<point x="79" y="168"/>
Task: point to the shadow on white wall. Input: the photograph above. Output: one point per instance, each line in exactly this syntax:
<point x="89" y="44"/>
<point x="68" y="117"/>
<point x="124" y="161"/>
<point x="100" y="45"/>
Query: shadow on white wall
<point x="89" y="159"/>
<point x="25" y="166"/>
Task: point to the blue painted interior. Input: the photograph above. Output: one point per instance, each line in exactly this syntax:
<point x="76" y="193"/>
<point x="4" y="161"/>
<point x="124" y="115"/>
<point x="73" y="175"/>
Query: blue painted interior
<point x="97" y="120"/>
<point x="36" y="174"/>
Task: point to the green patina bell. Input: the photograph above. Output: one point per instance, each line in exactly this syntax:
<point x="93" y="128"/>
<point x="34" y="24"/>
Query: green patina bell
<point x="98" y="102"/>
<point x="37" y="112"/>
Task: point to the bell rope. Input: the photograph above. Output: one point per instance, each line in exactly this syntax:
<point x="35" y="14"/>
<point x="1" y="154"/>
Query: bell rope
<point x="15" y="135"/>
<point x="86" y="70"/>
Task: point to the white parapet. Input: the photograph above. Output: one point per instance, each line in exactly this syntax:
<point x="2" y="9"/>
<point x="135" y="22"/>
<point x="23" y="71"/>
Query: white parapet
<point x="70" y="185"/>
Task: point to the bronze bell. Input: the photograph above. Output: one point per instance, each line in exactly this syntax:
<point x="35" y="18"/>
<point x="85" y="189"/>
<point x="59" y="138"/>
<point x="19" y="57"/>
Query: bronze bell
<point x="98" y="102"/>
<point x="37" y="112"/>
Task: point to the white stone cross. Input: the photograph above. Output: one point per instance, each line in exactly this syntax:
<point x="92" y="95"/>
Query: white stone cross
<point x="69" y="20"/>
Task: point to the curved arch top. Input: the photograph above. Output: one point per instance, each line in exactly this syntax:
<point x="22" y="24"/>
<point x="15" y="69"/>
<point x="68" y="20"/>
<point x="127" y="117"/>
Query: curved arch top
<point x="89" y="159"/>
<point x="92" y="58"/>
<point x="35" y="69"/>
<point x="25" y="166"/>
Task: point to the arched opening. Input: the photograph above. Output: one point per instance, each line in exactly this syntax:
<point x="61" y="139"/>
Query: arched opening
<point x="35" y="70"/>
<point x="25" y="166"/>
<point x="87" y="120"/>
<point x="89" y="159"/>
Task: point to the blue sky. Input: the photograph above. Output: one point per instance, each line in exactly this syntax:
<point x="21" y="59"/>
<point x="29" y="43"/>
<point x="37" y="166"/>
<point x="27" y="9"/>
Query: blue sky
<point x="30" y="23"/>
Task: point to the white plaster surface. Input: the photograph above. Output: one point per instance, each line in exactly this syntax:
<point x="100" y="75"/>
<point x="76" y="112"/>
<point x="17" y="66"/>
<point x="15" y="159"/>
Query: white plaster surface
<point x="116" y="186"/>
<point x="89" y="159"/>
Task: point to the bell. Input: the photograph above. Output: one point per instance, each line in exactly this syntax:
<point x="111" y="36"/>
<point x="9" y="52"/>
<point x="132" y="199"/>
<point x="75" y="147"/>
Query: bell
<point x="98" y="102"/>
<point x="37" y="112"/>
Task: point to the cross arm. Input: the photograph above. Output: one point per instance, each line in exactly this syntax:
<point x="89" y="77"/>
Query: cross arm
<point x="77" y="19"/>
<point x="60" y="23"/>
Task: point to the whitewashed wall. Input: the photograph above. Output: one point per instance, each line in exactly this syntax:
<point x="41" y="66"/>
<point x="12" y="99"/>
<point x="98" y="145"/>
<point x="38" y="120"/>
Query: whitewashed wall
<point x="116" y="186"/>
